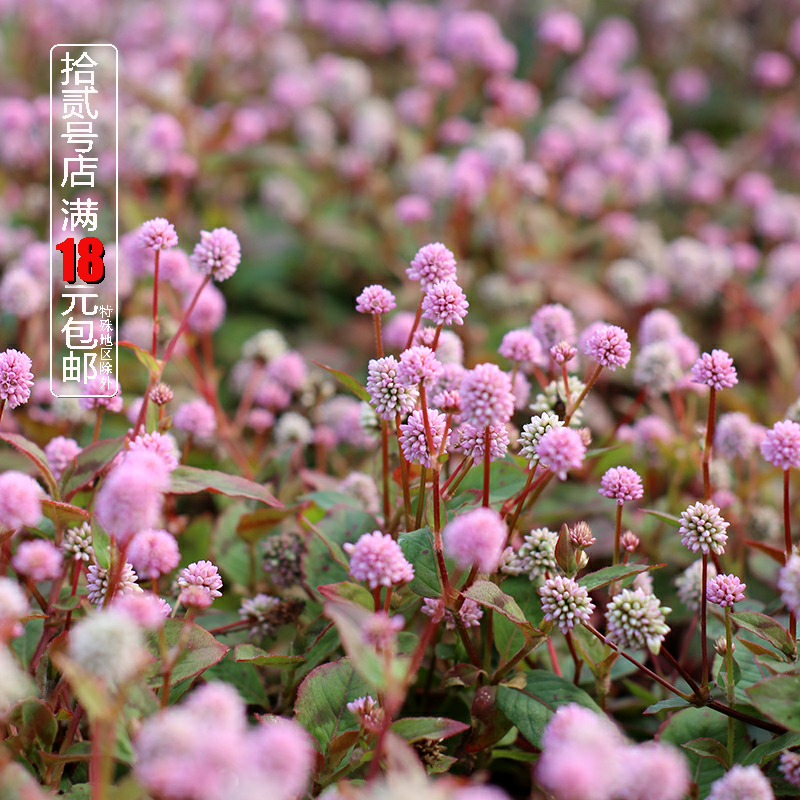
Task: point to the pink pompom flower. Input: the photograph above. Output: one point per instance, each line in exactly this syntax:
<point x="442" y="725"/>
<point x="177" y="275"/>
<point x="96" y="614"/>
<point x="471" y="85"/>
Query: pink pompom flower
<point x="218" y="253"/>
<point x="20" y="500"/>
<point x="716" y="370"/>
<point x="621" y="484"/>
<point x="434" y="262"/>
<point x="157" y="234"/>
<point x="560" y="450"/>
<point x="445" y="303"/>
<point x="725" y="590"/>
<point x="486" y="396"/>
<point x="154" y="552"/>
<point x="781" y="445"/>
<point x="38" y="560"/>
<point x="476" y="538"/>
<point x="375" y="300"/>
<point x="378" y="560"/>
<point x="609" y="346"/>
<point x="16" y="378"/>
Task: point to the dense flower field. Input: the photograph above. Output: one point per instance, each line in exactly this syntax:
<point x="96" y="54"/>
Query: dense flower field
<point x="455" y="454"/>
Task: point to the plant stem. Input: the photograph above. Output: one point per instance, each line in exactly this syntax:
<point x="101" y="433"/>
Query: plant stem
<point x="617" y="533"/>
<point x="703" y="609"/>
<point x="576" y="660"/>
<point x="155" y="303"/>
<point x="455" y="479"/>
<point x="414" y="327"/>
<point x="403" y="472"/>
<point x="787" y="532"/>
<point x="184" y="321"/>
<point x="487" y="438"/>
<point x="378" y="338"/>
<point x="665" y="683"/>
<point x="97" y="423"/>
<point x="420" y="498"/>
<point x="551" y="649"/>
<point x="573" y="407"/>
<point x="712" y="402"/>
<point x="385" y="466"/>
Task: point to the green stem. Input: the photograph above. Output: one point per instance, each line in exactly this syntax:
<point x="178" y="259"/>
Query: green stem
<point x="573" y="407"/>
<point x="703" y="617"/>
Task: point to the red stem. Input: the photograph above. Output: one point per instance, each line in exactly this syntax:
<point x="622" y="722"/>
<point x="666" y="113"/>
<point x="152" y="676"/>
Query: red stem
<point x="155" y="303"/>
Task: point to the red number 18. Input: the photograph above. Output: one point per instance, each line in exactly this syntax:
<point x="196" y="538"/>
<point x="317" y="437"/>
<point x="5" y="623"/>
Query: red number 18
<point x="90" y="266"/>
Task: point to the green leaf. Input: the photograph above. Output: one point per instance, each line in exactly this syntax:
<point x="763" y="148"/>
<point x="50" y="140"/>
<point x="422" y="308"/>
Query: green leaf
<point x="199" y="651"/>
<point x="89" y="463"/>
<point x="348" y="380"/>
<point x="36" y="728"/>
<point x="670" y="519"/>
<point x="153" y="366"/>
<point x="710" y="748"/>
<point x="766" y="628"/>
<point x="191" y="480"/>
<point x="101" y="544"/>
<point x="329" y="499"/>
<point x="351" y="619"/>
<point x="322" y="697"/>
<point x="531" y="708"/>
<point x="722" y="674"/>
<point x="670" y="704"/>
<point x="260" y="658"/>
<point x="349" y="592"/>
<point x="64" y="514"/>
<point x="417" y="547"/>
<point x="488" y="594"/>
<point x="257" y="524"/>
<point x="241" y="675"/>
<point x="778" y="697"/>
<point x="618" y="572"/>
<point x="764" y="752"/>
<point x="508" y="637"/>
<point x="703" y="723"/>
<point x="37" y="456"/>
<point x="413" y="729"/>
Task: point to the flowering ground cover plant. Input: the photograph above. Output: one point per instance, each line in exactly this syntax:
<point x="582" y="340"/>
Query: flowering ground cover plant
<point x="456" y="443"/>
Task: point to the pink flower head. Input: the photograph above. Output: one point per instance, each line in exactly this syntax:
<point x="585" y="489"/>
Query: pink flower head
<point x="476" y="538"/>
<point x="386" y="394"/>
<point x="433" y="262"/>
<point x="279" y="756"/>
<point x="781" y="445"/>
<point x="380" y="630"/>
<point x="561" y="30"/>
<point x="16" y="378"/>
<point x="565" y="602"/>
<point x="417" y="365"/>
<point x="702" y="528"/>
<point x="39" y="560"/>
<point x="378" y="560"/>
<point x="725" y="590"/>
<point x="471" y="441"/>
<point x="201" y="573"/>
<point x="154" y="552"/>
<point x="146" y="609"/>
<point x="445" y="303"/>
<point x="218" y="253"/>
<point x="790" y="767"/>
<point x="132" y="495"/>
<point x="609" y="346"/>
<point x="563" y="353"/>
<point x="414" y="440"/>
<point x="552" y="323"/>
<point x="654" y="771"/>
<point x="621" y="484"/>
<point x="486" y="396"/>
<point x="60" y="451"/>
<point x="370" y="715"/>
<point x="197" y="418"/>
<point x="108" y="395"/>
<point x="413" y="208"/>
<point x="20" y="500"/>
<point x="375" y="300"/>
<point x="658" y="325"/>
<point x="521" y="346"/>
<point x="289" y="369"/>
<point x="742" y="783"/>
<point x="157" y="234"/>
<point x="162" y="444"/>
<point x="196" y="596"/>
<point x="773" y="70"/>
<point x="560" y="450"/>
<point x="735" y="435"/>
<point x="715" y="370"/>
<point x="789" y="583"/>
